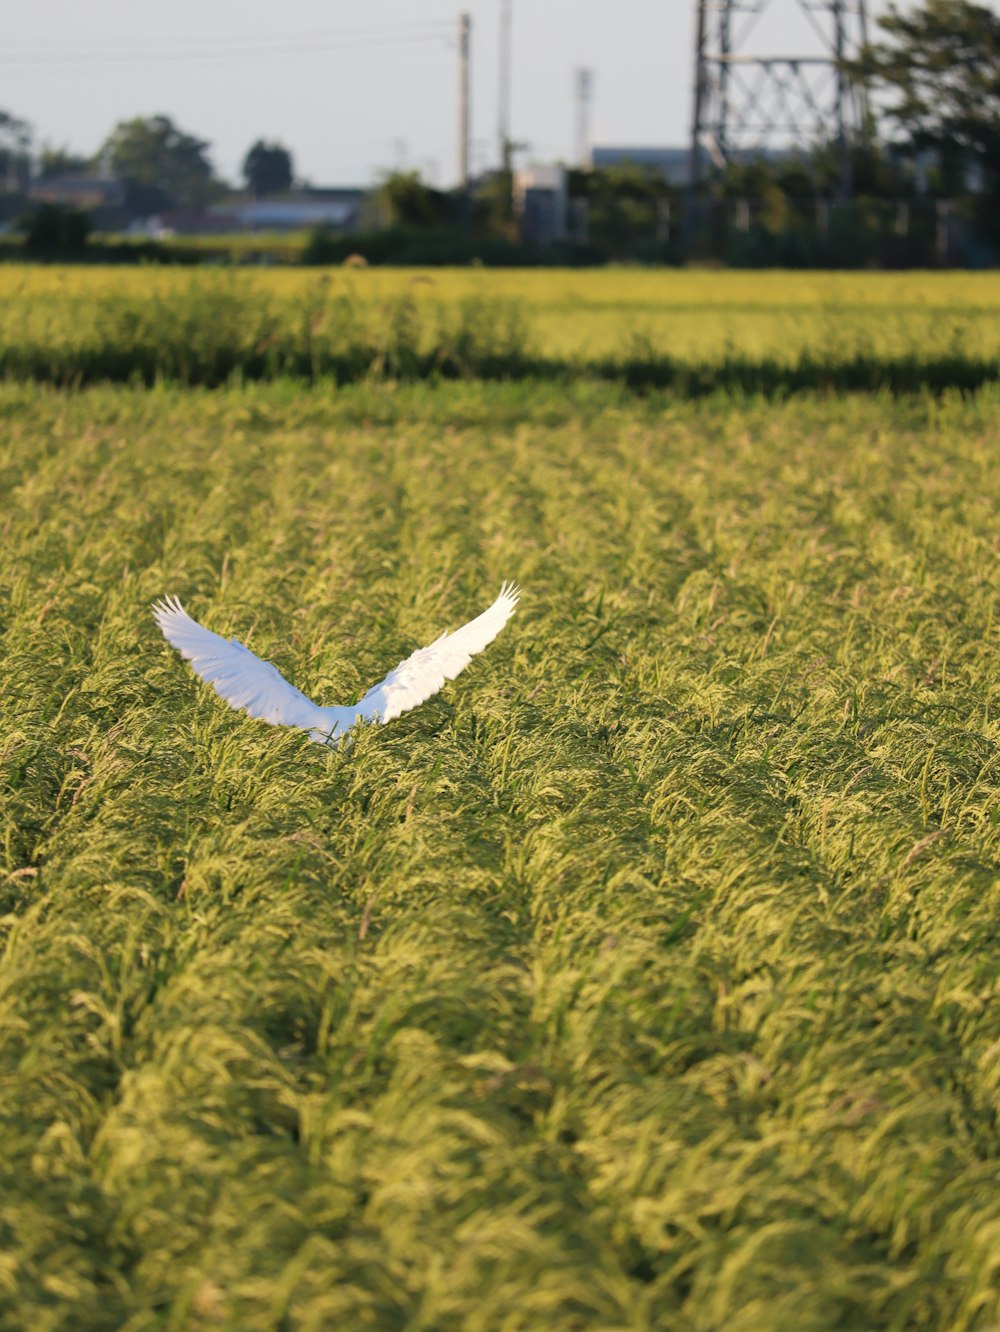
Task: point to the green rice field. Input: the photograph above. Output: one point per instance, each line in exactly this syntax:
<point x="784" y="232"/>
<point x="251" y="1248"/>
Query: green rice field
<point x="694" y="332"/>
<point x="647" y="977"/>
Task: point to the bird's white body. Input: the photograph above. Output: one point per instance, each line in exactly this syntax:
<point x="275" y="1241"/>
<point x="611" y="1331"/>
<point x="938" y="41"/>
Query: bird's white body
<point x="247" y="682"/>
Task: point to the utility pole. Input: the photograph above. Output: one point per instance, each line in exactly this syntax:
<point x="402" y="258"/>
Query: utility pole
<point x="464" y="31"/>
<point x="503" y="106"/>
<point x="584" y="91"/>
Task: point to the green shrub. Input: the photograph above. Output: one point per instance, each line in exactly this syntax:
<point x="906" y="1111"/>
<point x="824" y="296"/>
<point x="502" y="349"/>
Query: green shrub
<point x="55" y="231"/>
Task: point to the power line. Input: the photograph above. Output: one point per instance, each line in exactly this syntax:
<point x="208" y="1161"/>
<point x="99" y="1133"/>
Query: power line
<point x="224" y="48"/>
<point x="233" y="39"/>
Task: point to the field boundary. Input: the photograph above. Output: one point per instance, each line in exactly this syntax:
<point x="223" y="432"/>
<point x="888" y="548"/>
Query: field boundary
<point x="79" y="368"/>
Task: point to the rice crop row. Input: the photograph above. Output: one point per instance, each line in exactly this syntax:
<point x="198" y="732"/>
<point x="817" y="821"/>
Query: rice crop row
<point x="647" y="978"/>
<point x="692" y="332"/>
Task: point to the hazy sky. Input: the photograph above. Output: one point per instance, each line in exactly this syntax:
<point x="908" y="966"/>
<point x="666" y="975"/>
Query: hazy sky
<point x="352" y="89"/>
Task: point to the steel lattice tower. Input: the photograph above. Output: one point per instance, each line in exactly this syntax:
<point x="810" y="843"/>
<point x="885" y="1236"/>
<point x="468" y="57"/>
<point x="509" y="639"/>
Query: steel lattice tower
<point x="746" y="100"/>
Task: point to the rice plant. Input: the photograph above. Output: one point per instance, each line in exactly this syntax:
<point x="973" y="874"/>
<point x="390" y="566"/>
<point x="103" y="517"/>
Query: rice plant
<point x="694" y="333"/>
<point x="648" y="977"/>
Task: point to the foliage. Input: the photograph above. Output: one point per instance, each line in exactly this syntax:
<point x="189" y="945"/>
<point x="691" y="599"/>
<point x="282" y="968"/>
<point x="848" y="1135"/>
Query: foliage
<point x="494" y="205"/>
<point x="159" y="164"/>
<point x="267" y="168"/>
<point x="941" y="66"/>
<point x="54" y="162"/>
<point x="15" y="145"/>
<point x="645" y="979"/>
<point x="55" y="231"/>
<point x="622" y="204"/>
<point x="406" y="201"/>
<point x="627" y="180"/>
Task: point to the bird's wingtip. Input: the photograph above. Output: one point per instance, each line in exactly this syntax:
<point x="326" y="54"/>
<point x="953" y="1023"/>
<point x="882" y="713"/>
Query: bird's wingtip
<point x="166" y="606"/>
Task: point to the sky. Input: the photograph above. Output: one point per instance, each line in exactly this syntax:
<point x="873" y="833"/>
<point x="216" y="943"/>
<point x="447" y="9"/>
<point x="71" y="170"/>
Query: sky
<point x="351" y="96"/>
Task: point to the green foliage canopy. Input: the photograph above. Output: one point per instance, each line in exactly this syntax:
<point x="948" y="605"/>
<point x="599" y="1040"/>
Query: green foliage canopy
<point x="941" y="67"/>
<point x="159" y="164"/>
<point x="15" y="142"/>
<point x="62" y="162"/>
<point x="406" y="201"/>
<point x="53" y="231"/>
<point x="267" y="168"/>
<point x="621" y="202"/>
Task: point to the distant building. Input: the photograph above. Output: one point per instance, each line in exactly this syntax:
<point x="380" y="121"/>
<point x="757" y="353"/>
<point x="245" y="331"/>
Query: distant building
<point x="337" y="208"/>
<point x="541" y="199"/>
<point x="293" y="210"/>
<point x="87" y="192"/>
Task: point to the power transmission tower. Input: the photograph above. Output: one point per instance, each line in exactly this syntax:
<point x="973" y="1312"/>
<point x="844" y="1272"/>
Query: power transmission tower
<point x="748" y="99"/>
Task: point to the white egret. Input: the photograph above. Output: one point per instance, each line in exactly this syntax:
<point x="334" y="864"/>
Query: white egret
<point x="259" y="688"/>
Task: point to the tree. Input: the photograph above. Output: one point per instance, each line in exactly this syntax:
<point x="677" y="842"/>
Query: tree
<point x="408" y="202"/>
<point x="53" y="231"/>
<point x="267" y="168"/>
<point x="623" y="203"/>
<point x="61" y="162"/>
<point x="495" y="204"/>
<point x="159" y="165"/>
<point x="15" y="160"/>
<point x="941" y="67"/>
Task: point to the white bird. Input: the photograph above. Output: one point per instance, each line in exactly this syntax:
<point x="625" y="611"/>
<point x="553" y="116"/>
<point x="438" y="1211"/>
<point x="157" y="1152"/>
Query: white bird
<point x="260" y="689"/>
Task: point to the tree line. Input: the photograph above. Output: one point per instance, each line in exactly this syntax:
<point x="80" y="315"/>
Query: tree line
<point x="159" y="165"/>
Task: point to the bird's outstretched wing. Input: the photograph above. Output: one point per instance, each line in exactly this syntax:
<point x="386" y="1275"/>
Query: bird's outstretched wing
<point x="235" y="673"/>
<point x="425" y="671"/>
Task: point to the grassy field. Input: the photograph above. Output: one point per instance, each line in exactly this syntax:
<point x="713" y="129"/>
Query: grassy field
<point x="647" y="978"/>
<point x="694" y="331"/>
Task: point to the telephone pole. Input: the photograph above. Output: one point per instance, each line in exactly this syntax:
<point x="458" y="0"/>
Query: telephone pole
<point x="464" y="31"/>
<point x="503" y="104"/>
<point x="584" y="93"/>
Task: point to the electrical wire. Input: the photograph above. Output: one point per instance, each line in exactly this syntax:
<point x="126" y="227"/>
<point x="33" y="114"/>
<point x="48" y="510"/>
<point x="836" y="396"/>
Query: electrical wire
<point x="318" y="42"/>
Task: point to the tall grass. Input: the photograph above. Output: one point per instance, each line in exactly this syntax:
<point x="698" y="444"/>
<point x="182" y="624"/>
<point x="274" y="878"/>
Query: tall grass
<point x="208" y="329"/>
<point x="647" y="978"/>
<point x="692" y="333"/>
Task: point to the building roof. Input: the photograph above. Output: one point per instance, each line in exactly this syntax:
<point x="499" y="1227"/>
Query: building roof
<point x="83" y="191"/>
